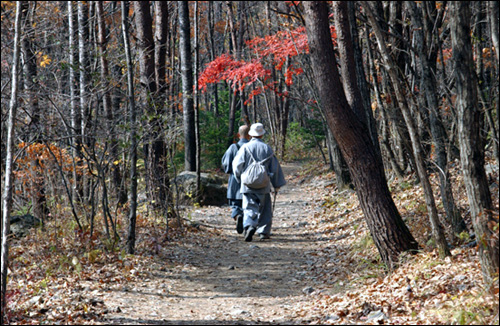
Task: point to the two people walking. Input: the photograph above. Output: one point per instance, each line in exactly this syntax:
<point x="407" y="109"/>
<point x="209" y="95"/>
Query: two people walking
<point x="255" y="214"/>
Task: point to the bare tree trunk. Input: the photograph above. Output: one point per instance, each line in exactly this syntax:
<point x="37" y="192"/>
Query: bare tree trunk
<point x="493" y="18"/>
<point x="389" y="232"/>
<point x="76" y="141"/>
<point x="196" y="103"/>
<point x="156" y="152"/>
<point x="215" y="87"/>
<point x="361" y="77"/>
<point x="187" y="87"/>
<point x="348" y="66"/>
<point x="429" y="86"/>
<point x="7" y="191"/>
<point x="85" y="103"/>
<point x="106" y="98"/>
<point x="161" y="36"/>
<point x="437" y="229"/>
<point x="38" y="200"/>
<point x="132" y="218"/>
<point x="471" y="144"/>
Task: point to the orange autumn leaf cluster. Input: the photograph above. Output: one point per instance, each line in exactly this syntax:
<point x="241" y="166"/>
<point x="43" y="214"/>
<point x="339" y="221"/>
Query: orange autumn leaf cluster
<point x="38" y="161"/>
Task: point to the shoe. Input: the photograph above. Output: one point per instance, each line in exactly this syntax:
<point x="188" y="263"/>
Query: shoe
<point x="264" y="236"/>
<point x="239" y="224"/>
<point x="249" y="232"/>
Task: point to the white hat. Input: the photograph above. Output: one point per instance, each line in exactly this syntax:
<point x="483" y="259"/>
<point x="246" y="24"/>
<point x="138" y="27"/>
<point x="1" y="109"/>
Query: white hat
<point x="256" y="130"/>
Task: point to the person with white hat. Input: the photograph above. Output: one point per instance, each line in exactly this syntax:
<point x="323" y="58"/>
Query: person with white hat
<point x="233" y="186"/>
<point x="257" y="206"/>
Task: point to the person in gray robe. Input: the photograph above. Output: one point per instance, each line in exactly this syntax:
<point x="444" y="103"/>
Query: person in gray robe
<point x="257" y="206"/>
<point x="233" y="187"/>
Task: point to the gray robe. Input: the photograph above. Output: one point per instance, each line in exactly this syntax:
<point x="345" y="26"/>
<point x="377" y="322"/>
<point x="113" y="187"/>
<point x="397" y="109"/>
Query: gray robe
<point x="257" y="207"/>
<point x="260" y="151"/>
<point x="233" y="185"/>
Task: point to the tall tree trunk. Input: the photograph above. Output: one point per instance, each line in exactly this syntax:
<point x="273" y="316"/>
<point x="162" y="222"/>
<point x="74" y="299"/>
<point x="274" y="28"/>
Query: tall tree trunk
<point x="155" y="152"/>
<point x="196" y="102"/>
<point x="493" y="14"/>
<point x="388" y="230"/>
<point x="213" y="55"/>
<point x="471" y="144"/>
<point x="378" y="105"/>
<point x="361" y="77"/>
<point x="85" y="103"/>
<point x="106" y="98"/>
<point x="349" y="70"/>
<point x="76" y="140"/>
<point x="187" y="87"/>
<point x="161" y="37"/>
<point x="38" y="200"/>
<point x="133" y="138"/>
<point x="427" y="57"/>
<point x="436" y="227"/>
<point x="233" y="45"/>
<point x="7" y="190"/>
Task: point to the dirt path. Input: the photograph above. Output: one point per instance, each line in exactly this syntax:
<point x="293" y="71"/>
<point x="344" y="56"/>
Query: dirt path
<point x="222" y="278"/>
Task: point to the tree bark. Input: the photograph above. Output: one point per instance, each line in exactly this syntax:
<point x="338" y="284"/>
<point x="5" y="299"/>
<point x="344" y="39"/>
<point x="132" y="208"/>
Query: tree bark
<point x="106" y="99"/>
<point x="436" y="228"/>
<point x="38" y="199"/>
<point x="187" y="87"/>
<point x="361" y="78"/>
<point x="157" y="181"/>
<point x="388" y="230"/>
<point x="423" y="36"/>
<point x="8" y="185"/>
<point x="75" y="136"/>
<point x="471" y="144"/>
<point x="348" y="69"/>
<point x="132" y="218"/>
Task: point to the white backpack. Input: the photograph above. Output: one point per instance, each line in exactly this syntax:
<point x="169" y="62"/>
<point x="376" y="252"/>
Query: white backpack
<point x="256" y="175"/>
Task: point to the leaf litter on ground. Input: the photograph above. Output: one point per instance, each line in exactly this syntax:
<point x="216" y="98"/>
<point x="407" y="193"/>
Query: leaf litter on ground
<point x="59" y="276"/>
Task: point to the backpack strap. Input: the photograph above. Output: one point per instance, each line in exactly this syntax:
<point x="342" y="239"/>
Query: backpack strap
<point x="267" y="159"/>
<point x="263" y="161"/>
<point x="250" y="154"/>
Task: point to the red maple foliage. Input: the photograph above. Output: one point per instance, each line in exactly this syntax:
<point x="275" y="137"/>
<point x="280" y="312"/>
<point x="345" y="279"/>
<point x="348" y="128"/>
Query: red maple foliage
<point x="275" y="49"/>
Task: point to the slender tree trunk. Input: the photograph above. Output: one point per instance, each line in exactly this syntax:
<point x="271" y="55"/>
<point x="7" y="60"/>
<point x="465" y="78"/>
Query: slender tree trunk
<point x="437" y="229"/>
<point x="76" y="140"/>
<point x="429" y="86"/>
<point x="38" y="200"/>
<point x="85" y="103"/>
<point x="471" y="144"/>
<point x="187" y="87"/>
<point x="338" y="164"/>
<point x="133" y="137"/>
<point x="196" y="102"/>
<point x="388" y="230"/>
<point x="156" y="152"/>
<point x="106" y="98"/>
<point x="161" y="37"/>
<point x="7" y="191"/>
<point x="215" y="86"/>
<point x="493" y="18"/>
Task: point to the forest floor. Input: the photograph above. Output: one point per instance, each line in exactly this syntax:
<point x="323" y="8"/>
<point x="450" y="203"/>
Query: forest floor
<point x="319" y="267"/>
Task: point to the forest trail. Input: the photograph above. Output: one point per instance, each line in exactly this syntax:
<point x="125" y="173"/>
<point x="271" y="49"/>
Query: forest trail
<point x="221" y="278"/>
